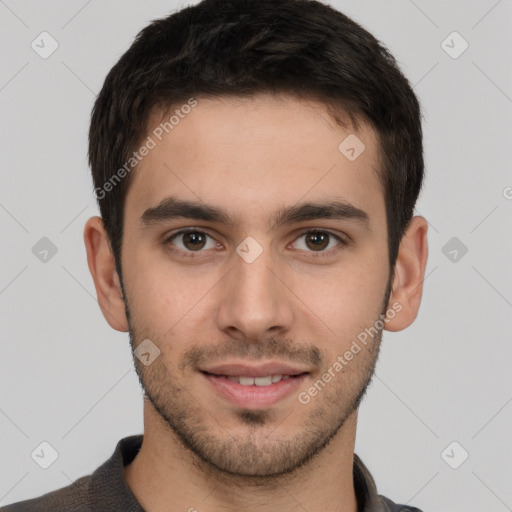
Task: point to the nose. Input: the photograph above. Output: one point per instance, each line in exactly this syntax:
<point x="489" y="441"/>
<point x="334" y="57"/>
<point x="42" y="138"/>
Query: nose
<point x="255" y="300"/>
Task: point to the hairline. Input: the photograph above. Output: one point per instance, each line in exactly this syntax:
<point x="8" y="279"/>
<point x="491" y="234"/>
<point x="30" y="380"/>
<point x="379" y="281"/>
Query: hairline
<point x="351" y="118"/>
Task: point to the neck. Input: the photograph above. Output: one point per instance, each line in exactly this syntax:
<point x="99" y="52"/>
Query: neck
<point x="167" y="476"/>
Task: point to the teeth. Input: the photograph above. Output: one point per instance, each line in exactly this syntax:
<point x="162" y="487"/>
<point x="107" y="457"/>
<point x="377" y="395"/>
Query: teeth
<point x="263" y="381"/>
<point x="257" y="381"/>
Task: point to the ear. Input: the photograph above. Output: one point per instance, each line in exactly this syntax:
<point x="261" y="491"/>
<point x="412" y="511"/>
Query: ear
<point x="410" y="267"/>
<point x="103" y="270"/>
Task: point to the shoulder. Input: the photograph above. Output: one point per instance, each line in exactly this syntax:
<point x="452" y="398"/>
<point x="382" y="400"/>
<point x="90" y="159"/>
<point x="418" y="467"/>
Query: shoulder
<point x="72" y="498"/>
<point x="366" y="492"/>
<point x="389" y="506"/>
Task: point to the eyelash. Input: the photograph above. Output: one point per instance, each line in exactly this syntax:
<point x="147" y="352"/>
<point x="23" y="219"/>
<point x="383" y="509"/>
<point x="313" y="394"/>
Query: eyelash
<point x="194" y="254"/>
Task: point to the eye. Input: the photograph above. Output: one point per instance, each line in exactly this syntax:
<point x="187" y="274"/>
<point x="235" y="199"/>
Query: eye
<point x="318" y="241"/>
<point x="191" y="240"/>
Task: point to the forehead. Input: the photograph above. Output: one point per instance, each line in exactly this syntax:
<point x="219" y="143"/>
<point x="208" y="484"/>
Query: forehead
<point x="252" y="155"/>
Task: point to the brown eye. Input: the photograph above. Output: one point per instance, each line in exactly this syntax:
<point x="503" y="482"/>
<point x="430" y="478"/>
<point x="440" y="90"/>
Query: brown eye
<point x="194" y="240"/>
<point x="319" y="241"/>
<point x="190" y="241"/>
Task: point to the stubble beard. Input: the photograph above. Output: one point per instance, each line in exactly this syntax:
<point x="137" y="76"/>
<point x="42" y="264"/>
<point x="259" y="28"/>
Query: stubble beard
<point x="258" y="451"/>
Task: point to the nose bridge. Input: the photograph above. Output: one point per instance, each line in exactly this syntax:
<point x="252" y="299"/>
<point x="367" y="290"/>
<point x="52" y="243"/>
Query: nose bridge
<point x="253" y="299"/>
<point x="255" y="276"/>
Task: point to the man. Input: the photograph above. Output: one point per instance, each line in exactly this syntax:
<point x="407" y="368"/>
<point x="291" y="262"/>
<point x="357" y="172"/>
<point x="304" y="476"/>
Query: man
<point x="256" y="165"/>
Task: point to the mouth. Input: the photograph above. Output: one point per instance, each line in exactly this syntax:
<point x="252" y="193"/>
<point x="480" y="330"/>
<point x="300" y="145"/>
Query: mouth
<point x="246" y="380"/>
<point x="254" y="388"/>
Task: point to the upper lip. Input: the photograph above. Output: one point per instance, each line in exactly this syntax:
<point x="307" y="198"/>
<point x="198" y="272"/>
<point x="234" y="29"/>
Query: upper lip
<point x="261" y="370"/>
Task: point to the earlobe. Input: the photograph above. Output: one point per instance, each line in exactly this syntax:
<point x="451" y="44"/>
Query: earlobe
<point x="407" y="286"/>
<point x="102" y="266"/>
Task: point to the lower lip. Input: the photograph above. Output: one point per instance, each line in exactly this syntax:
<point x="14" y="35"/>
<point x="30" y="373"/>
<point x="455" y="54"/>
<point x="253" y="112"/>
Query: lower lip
<point x="254" y="397"/>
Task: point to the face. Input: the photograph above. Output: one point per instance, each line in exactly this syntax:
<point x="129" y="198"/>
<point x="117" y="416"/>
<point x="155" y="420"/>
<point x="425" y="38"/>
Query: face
<point x="254" y="255"/>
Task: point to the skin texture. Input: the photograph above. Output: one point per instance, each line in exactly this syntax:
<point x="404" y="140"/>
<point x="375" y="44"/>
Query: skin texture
<point x="298" y="302"/>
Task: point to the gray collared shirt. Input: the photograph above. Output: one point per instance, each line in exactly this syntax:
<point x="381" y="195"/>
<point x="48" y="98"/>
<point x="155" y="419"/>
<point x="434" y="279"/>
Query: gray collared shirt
<point x="106" y="489"/>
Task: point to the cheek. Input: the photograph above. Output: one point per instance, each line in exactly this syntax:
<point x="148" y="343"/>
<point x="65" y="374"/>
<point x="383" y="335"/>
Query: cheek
<point x="150" y="296"/>
<point x="163" y="298"/>
<point x="346" y="300"/>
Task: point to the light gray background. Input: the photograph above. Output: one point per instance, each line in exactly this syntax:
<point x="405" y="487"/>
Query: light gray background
<point x="67" y="378"/>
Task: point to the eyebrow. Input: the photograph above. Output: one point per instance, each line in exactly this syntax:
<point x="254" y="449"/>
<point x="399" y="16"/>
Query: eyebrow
<point x="173" y="208"/>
